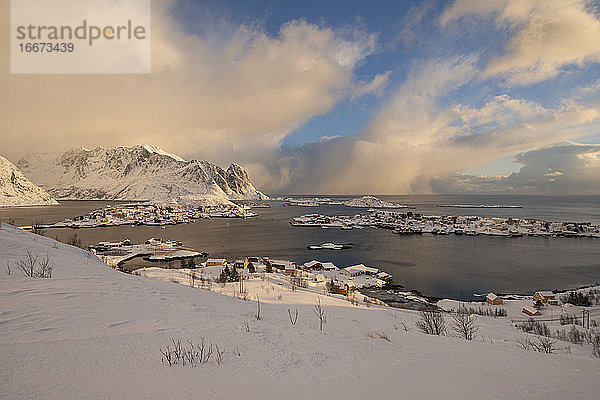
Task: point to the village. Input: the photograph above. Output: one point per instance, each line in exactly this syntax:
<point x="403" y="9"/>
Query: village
<point x="314" y="274"/>
<point x="407" y="223"/>
<point x="247" y="276"/>
<point x="152" y="214"/>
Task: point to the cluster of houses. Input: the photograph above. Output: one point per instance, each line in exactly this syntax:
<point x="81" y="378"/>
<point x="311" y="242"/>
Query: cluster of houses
<point x="151" y="214"/>
<point x="311" y="273"/>
<point x="406" y="223"/>
<point x="540" y="298"/>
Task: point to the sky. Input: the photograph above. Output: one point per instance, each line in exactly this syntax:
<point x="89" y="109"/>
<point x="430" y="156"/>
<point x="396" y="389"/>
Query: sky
<point x="344" y="97"/>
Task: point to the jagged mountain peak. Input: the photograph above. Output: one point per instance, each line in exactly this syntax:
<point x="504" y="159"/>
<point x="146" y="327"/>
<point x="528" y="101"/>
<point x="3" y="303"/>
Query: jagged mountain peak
<point x="134" y="173"/>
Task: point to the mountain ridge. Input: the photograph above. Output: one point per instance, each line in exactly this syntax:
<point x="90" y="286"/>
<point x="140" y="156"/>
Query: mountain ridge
<point x="140" y="172"/>
<point x="17" y="190"/>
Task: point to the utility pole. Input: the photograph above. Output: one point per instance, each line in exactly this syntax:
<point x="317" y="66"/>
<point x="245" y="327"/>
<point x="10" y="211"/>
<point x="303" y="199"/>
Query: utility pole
<point x="584" y="319"/>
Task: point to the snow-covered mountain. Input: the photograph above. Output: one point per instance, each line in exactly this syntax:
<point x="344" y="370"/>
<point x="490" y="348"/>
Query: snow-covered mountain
<point x="142" y="172"/>
<point x="17" y="190"/>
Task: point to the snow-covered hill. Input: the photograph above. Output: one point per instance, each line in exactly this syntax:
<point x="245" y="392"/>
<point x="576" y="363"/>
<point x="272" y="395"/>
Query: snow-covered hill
<point x="371" y="202"/>
<point x="142" y="172"/>
<point x="17" y="190"/>
<point x="92" y="332"/>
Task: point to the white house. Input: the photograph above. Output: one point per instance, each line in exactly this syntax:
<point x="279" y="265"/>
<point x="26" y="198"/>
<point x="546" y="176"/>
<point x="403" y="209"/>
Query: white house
<point x="360" y="269"/>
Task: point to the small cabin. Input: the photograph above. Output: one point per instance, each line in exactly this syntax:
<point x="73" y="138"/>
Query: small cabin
<point x="493" y="299"/>
<point x="531" y="312"/>
<point x="545" y="297"/>
<point x="216" y="262"/>
<point x="284" y="265"/>
<point x="240" y="263"/>
<point x="329" y="266"/>
<point x="342" y="287"/>
<point x="313" y="265"/>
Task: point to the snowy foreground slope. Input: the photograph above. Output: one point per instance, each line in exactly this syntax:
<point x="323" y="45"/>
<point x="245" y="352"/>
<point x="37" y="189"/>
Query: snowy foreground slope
<point x="17" y="190"/>
<point x="92" y="332"/>
<point x="142" y="172"/>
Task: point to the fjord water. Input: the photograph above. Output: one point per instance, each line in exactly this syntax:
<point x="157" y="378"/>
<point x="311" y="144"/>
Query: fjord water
<point x="443" y="266"/>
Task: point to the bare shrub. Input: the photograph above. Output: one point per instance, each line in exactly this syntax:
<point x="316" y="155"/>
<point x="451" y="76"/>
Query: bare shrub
<point x="546" y="345"/>
<point x="45" y="269"/>
<point x="32" y="265"/>
<point x="378" y="335"/>
<point x="192" y="278"/>
<point x="189" y="353"/>
<point x="464" y="325"/>
<point x="218" y="355"/>
<point x="595" y="342"/>
<point x="320" y="313"/>
<point x="38" y="228"/>
<point x="543" y="345"/>
<point x="535" y="327"/>
<point x="9" y="221"/>
<point x="431" y="322"/>
<point x="74" y="240"/>
<point x="525" y="344"/>
<point x="293" y="319"/>
<point x="486" y="311"/>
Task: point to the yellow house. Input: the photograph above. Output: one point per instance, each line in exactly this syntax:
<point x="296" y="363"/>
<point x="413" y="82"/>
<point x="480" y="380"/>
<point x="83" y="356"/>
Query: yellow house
<point x="530" y="312"/>
<point x="493" y="299"/>
<point x="545" y="297"/>
<point x="216" y="262"/>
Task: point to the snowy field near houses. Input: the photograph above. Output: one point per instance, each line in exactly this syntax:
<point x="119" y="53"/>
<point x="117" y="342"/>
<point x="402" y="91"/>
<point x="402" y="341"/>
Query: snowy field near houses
<point x="93" y="332"/>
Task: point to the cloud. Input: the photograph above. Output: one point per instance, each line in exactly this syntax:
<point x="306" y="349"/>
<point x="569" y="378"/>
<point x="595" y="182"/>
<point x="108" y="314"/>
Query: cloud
<point x="548" y="36"/>
<point x="414" y="143"/>
<point x="375" y="87"/>
<point x="565" y="168"/>
<point x="225" y="98"/>
<point x="501" y="110"/>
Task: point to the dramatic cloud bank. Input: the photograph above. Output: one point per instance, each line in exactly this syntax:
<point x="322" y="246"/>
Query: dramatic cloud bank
<point x="235" y="95"/>
<point x="230" y="97"/>
<point x="413" y="145"/>
<point x="564" y="168"/>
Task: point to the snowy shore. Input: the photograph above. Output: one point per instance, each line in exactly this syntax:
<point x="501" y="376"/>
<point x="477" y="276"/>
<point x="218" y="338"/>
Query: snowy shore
<point x="93" y="332"/>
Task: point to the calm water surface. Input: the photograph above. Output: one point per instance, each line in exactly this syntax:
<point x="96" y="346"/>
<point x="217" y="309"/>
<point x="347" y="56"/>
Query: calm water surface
<point x="445" y="266"/>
